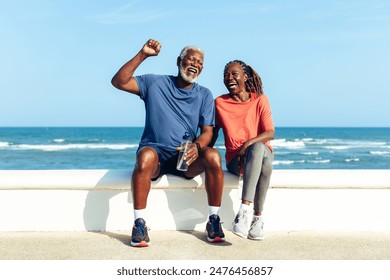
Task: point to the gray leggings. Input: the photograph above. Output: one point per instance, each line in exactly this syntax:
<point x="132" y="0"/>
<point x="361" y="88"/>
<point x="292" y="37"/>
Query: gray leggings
<point x="257" y="174"/>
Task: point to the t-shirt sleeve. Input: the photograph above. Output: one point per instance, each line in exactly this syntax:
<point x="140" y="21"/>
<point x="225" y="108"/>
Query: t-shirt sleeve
<point x="265" y="115"/>
<point x="144" y="82"/>
<point x="207" y="114"/>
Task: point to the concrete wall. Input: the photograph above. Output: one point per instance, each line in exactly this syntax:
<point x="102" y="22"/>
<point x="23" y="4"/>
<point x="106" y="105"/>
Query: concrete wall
<point x="79" y="200"/>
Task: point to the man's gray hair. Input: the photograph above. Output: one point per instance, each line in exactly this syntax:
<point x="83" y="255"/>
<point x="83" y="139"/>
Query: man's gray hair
<point x="191" y="47"/>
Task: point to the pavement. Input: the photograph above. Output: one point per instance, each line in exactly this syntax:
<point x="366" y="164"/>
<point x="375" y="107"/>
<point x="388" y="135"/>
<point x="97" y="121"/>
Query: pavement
<point x="192" y="245"/>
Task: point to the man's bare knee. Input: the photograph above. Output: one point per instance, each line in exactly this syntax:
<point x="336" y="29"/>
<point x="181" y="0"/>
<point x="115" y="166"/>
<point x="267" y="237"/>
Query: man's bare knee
<point x="147" y="159"/>
<point x="212" y="158"/>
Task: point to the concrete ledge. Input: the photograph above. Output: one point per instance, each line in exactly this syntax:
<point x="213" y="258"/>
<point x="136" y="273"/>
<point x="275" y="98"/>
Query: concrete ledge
<point x="99" y="200"/>
<point x="120" y="180"/>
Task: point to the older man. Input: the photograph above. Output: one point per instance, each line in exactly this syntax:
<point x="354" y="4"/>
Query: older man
<point x="176" y="107"/>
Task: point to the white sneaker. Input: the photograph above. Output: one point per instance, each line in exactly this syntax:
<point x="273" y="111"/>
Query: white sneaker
<point x="240" y="224"/>
<point x="256" y="232"/>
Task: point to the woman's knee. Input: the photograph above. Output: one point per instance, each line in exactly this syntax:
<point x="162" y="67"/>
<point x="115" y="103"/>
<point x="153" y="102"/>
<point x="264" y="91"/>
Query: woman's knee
<point x="257" y="148"/>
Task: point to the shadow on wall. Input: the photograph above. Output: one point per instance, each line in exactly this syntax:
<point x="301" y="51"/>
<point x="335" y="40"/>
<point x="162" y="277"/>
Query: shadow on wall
<point x="97" y="202"/>
<point x="190" y="208"/>
<point x="187" y="206"/>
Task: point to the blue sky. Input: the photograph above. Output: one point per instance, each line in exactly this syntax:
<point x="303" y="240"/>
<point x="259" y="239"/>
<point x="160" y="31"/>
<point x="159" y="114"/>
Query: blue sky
<point x="323" y="63"/>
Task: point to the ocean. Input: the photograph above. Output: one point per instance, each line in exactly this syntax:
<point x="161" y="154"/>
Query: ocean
<point x="38" y="148"/>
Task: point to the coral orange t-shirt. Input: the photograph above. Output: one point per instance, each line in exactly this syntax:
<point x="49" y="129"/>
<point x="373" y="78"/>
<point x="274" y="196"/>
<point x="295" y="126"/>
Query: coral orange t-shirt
<point x="241" y="121"/>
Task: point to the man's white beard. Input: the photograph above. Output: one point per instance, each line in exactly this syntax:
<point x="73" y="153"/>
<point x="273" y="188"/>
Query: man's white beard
<point x="185" y="77"/>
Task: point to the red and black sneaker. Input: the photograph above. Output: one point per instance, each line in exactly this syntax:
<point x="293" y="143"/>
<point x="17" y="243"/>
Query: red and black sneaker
<point x="214" y="230"/>
<point x="139" y="235"/>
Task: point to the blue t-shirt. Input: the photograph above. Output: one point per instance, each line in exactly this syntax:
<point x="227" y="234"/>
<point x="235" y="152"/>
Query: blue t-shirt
<point x="173" y="113"/>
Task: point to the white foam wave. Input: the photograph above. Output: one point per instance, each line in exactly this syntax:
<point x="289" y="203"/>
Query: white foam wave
<point x="4" y="144"/>
<point x="379" y="153"/>
<point x="221" y="147"/>
<point x="319" y="141"/>
<point x="283" y="143"/>
<point x="352" y="159"/>
<point x="58" y="140"/>
<point x="282" y="162"/>
<point x="319" y="161"/>
<point x="283" y="153"/>
<point x="310" y="153"/>
<point x="338" y="144"/>
<point x="332" y="144"/>
<point x="285" y="162"/>
<point x="341" y="147"/>
<point x="73" y="147"/>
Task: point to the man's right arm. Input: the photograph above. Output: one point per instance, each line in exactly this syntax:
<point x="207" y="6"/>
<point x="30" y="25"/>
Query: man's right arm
<point x="124" y="78"/>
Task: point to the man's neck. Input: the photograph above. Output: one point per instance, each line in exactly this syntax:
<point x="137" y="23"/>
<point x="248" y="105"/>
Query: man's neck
<point x="183" y="84"/>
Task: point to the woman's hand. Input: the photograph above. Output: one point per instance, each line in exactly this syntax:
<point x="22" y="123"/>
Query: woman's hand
<point x="241" y="153"/>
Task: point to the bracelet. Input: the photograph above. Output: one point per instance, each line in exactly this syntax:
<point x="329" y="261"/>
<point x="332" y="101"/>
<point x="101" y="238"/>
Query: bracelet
<point x="198" y="147"/>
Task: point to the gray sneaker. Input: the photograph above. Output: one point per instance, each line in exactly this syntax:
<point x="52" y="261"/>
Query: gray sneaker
<point x="256" y="232"/>
<point x="240" y="224"/>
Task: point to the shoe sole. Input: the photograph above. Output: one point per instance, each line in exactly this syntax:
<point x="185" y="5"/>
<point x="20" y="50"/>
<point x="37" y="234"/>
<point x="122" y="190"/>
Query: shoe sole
<point x="255" y="238"/>
<point x="216" y="240"/>
<point x="140" y="244"/>
<point x="239" y="233"/>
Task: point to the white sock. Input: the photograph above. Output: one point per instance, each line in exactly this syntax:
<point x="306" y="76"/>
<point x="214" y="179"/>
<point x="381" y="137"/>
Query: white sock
<point x="139" y="213"/>
<point x="244" y="207"/>
<point x="213" y="210"/>
<point x="260" y="218"/>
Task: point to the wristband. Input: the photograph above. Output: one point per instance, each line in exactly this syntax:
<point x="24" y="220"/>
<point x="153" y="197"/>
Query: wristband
<point x="198" y="147"/>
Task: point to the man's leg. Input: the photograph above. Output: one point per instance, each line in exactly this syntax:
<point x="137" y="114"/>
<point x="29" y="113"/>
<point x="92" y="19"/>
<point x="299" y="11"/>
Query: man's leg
<point x="146" y="168"/>
<point x="209" y="161"/>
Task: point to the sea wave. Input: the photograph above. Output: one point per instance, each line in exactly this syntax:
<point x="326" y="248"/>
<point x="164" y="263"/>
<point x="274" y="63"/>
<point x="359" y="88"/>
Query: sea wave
<point x="283" y="153"/>
<point x="338" y="144"/>
<point x="283" y="143"/>
<point x="286" y="162"/>
<point x="72" y="147"/>
<point x="4" y="144"/>
<point x="341" y="147"/>
<point x="282" y="162"/>
<point x="318" y="141"/>
<point x="319" y="161"/>
<point x="220" y="147"/>
<point x="352" y="159"/>
<point x="379" y="153"/>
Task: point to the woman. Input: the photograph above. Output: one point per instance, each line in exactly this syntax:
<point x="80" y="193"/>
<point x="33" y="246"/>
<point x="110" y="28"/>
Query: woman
<point x="244" y="115"/>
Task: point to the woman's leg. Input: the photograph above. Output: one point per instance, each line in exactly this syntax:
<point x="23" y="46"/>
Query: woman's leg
<point x="252" y="171"/>
<point x="261" y="167"/>
<point x="264" y="181"/>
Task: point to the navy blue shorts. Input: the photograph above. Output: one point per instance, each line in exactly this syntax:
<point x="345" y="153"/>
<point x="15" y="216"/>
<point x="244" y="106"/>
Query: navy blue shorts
<point x="168" y="161"/>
